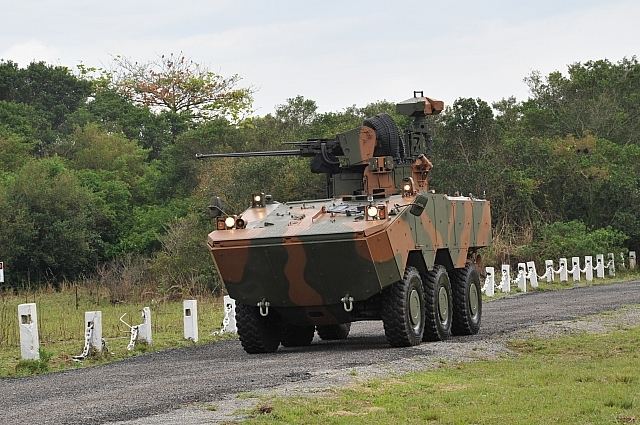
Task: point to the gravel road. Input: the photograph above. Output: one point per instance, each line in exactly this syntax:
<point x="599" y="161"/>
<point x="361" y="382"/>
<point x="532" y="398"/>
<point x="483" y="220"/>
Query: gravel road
<point x="162" y="384"/>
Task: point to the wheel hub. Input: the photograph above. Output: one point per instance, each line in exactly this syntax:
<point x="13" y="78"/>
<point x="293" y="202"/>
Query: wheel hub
<point x="443" y="304"/>
<point x="473" y="299"/>
<point x="414" y="308"/>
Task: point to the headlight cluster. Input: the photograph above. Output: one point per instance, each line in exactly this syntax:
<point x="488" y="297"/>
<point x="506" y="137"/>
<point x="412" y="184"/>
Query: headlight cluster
<point x="257" y="200"/>
<point x="230" y="222"/>
<point x="408" y="187"/>
<point x="376" y="212"/>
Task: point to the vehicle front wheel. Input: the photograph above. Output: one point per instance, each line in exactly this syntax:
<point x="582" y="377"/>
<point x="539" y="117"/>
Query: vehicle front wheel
<point x="257" y="334"/>
<point x="403" y="310"/>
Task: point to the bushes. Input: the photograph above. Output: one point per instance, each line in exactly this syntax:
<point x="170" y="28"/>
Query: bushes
<point x="573" y="238"/>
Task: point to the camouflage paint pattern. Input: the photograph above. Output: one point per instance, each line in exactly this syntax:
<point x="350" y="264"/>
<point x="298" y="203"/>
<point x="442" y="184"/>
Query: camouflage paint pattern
<point x="301" y="255"/>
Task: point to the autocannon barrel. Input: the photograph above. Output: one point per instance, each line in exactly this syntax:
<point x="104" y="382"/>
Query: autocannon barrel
<point x="292" y="152"/>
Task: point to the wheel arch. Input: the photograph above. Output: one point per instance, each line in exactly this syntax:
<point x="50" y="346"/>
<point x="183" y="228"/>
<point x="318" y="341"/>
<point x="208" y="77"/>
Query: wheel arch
<point x="443" y="258"/>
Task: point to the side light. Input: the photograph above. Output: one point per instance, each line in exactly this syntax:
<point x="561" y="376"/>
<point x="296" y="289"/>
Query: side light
<point x="382" y="212"/>
<point x="240" y="223"/>
<point x="257" y="200"/>
<point x="220" y="223"/>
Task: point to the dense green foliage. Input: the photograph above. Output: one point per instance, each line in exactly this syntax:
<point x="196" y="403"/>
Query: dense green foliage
<point x="92" y="172"/>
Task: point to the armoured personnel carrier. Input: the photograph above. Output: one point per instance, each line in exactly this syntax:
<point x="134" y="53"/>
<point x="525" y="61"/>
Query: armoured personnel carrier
<point x="381" y="246"/>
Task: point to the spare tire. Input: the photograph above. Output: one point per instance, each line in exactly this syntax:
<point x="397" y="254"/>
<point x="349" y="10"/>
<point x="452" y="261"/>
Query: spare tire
<point x="387" y="135"/>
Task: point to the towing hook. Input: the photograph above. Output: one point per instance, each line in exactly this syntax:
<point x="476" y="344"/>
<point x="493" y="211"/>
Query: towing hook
<point x="347" y="303"/>
<point x="264" y="307"/>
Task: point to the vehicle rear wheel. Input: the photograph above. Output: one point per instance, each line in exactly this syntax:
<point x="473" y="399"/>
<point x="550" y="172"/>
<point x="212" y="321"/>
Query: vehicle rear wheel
<point x="333" y="332"/>
<point x="467" y="300"/>
<point x="297" y="336"/>
<point x="439" y="305"/>
<point x="403" y="310"/>
<point x="257" y="334"/>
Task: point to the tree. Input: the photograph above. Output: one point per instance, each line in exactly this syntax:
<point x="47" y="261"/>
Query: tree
<point x="177" y="84"/>
<point x="52" y="90"/>
<point x="50" y="229"/>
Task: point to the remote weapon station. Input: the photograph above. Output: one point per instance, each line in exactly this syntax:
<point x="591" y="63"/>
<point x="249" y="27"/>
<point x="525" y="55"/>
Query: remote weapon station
<point x="381" y="246"/>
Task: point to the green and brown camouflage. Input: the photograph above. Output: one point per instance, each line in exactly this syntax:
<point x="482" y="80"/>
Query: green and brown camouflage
<point x="311" y="260"/>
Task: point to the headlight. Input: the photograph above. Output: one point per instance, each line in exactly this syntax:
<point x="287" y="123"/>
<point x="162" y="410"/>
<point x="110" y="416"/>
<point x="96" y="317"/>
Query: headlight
<point x="230" y="222"/>
<point x="372" y="211"/>
<point x="257" y="199"/>
<point x="407" y="187"/>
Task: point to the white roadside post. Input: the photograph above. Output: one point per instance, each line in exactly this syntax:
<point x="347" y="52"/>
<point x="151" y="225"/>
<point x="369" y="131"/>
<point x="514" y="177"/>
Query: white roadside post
<point x="600" y="266"/>
<point x="94" y="318"/>
<point x="489" y="282"/>
<point x="611" y="264"/>
<point x="564" y="274"/>
<point x="532" y="274"/>
<point x="505" y="278"/>
<point x="190" y="313"/>
<point x="2" y="270"/>
<point x="548" y="265"/>
<point x="575" y="268"/>
<point x="632" y="261"/>
<point x="229" y="322"/>
<point x="29" y="338"/>
<point x="144" y="329"/>
<point x="588" y="268"/>
<point x="521" y="278"/>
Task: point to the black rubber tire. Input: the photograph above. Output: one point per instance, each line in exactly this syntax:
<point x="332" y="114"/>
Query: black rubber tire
<point x="400" y="328"/>
<point x="297" y="336"/>
<point x="387" y="135"/>
<point x="333" y="332"/>
<point x="257" y="334"/>
<point x="436" y="328"/>
<point x="465" y="321"/>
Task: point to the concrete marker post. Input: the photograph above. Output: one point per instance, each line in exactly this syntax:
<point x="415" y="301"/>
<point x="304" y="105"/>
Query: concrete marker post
<point x="588" y="268"/>
<point x="489" y="282"/>
<point x="229" y="321"/>
<point x="575" y="268"/>
<point x="611" y="264"/>
<point x="29" y="337"/>
<point x="600" y="266"/>
<point x="564" y="273"/>
<point x="632" y="260"/>
<point x="532" y="274"/>
<point x="521" y="279"/>
<point x="96" y="336"/>
<point x="505" y="278"/>
<point x="550" y="274"/>
<point x="190" y="319"/>
<point x="144" y="329"/>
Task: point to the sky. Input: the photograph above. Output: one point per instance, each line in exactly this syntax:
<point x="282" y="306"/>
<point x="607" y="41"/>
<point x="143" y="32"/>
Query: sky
<point x="337" y="53"/>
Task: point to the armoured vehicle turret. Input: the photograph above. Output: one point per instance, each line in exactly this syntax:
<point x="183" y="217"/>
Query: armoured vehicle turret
<point x="380" y="246"/>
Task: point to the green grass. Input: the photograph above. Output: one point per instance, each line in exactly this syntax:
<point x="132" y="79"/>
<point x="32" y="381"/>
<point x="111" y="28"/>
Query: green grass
<point x="61" y="328"/>
<point x="585" y="379"/>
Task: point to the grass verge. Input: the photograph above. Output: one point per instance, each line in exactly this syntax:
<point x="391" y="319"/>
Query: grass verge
<point x="61" y="328"/>
<point x="584" y="379"/>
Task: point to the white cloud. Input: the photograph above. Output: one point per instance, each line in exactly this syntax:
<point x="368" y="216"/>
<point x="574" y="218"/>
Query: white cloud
<point x="25" y="52"/>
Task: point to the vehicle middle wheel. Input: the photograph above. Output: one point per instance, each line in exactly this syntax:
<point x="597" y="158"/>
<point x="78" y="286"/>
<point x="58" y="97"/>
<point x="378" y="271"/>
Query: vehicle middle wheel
<point x="439" y="305"/>
<point x="403" y="310"/>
